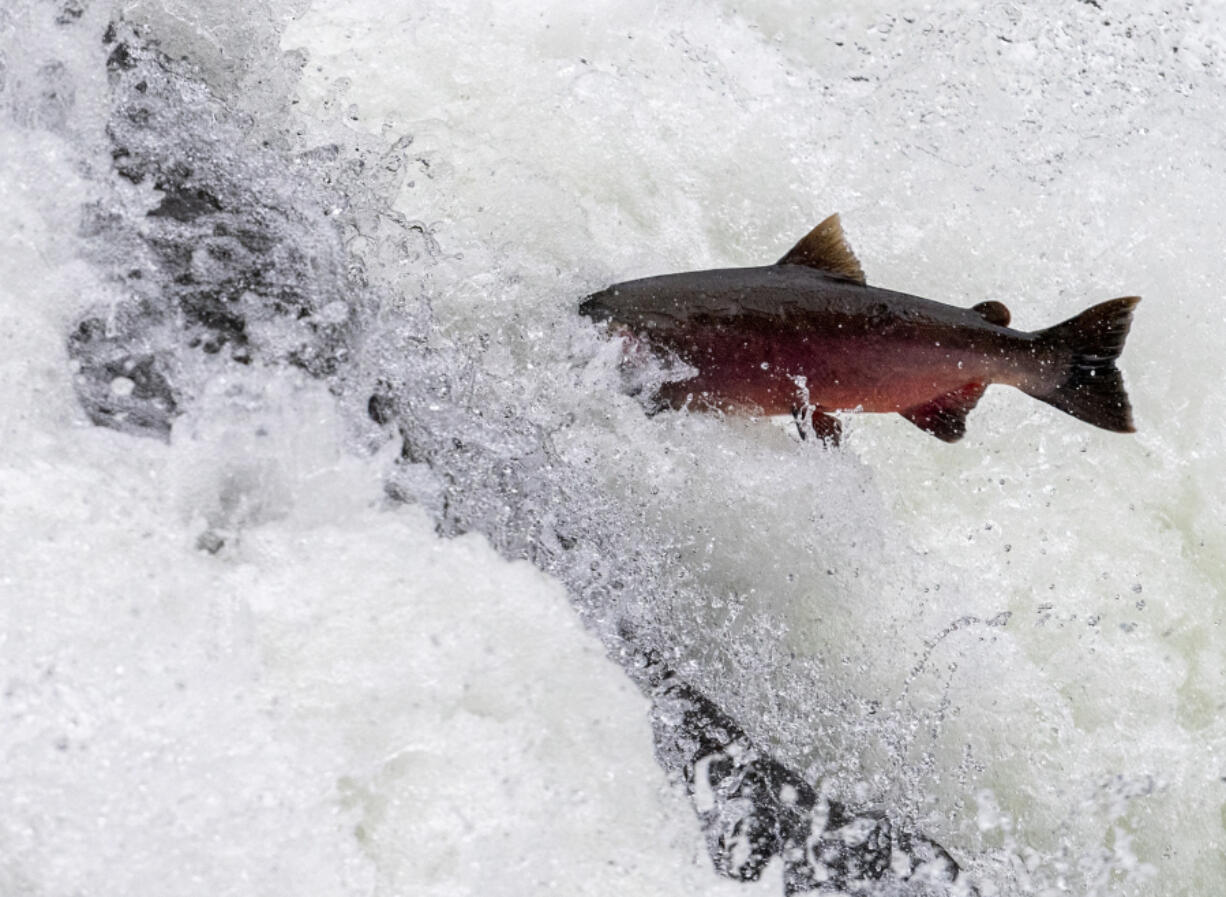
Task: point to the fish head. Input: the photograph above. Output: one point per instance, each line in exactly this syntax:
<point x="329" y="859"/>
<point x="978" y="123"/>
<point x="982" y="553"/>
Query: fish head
<point x="637" y="305"/>
<point x="646" y="307"/>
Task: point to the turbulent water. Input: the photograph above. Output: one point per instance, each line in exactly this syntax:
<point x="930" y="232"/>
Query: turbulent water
<point x="335" y="560"/>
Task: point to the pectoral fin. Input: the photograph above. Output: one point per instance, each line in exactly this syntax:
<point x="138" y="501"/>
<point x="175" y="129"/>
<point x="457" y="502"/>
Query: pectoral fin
<point x="826" y="427"/>
<point x="945" y="416"/>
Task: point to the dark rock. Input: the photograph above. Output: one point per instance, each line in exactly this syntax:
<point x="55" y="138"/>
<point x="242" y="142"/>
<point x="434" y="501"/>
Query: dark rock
<point x="120" y="59"/>
<point x="381" y="408"/>
<point x="231" y="241"/>
<point x="753" y="808"/>
<point x="119" y="388"/>
<point x="183" y="203"/>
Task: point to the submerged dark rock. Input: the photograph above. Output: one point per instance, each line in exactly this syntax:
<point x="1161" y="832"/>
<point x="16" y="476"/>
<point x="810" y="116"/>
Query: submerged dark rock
<point x="228" y="263"/>
<point x="122" y="389"/>
<point x="753" y="808"/>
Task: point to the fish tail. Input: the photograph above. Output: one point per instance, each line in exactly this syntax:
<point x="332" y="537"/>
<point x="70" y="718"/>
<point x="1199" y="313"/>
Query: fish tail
<point x="1084" y="349"/>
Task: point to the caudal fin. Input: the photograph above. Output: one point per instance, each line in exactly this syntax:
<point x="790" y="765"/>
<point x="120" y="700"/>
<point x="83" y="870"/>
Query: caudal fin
<point x="1089" y="385"/>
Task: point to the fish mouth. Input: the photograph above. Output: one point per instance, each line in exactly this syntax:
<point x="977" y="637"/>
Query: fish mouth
<point x="596" y="306"/>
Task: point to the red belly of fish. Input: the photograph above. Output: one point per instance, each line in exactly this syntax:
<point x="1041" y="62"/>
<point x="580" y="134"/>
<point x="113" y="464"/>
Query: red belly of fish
<point x="774" y="373"/>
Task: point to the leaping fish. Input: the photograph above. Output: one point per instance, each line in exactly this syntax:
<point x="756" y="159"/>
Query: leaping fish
<point x="807" y="336"/>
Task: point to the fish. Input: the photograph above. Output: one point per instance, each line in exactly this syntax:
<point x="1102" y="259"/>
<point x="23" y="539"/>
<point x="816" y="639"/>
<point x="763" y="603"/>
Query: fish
<point x="807" y="336"/>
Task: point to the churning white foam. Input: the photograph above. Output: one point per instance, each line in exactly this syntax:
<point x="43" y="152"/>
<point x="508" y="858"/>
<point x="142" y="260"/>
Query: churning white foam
<point x="229" y="667"/>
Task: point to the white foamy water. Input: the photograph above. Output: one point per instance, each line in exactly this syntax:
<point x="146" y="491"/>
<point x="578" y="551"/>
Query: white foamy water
<point x="231" y="665"/>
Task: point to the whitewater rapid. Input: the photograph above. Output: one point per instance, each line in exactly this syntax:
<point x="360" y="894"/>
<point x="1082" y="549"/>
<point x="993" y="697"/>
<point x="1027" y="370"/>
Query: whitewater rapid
<point x="335" y="560"/>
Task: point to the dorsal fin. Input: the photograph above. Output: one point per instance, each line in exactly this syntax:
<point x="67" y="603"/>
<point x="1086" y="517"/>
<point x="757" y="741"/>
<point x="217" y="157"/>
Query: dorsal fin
<point x="993" y="313"/>
<point x="826" y="249"/>
<point x="945" y="416"/>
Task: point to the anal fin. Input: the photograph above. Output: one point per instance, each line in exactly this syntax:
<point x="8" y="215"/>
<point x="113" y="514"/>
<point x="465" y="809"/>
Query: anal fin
<point x="945" y="416"/>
